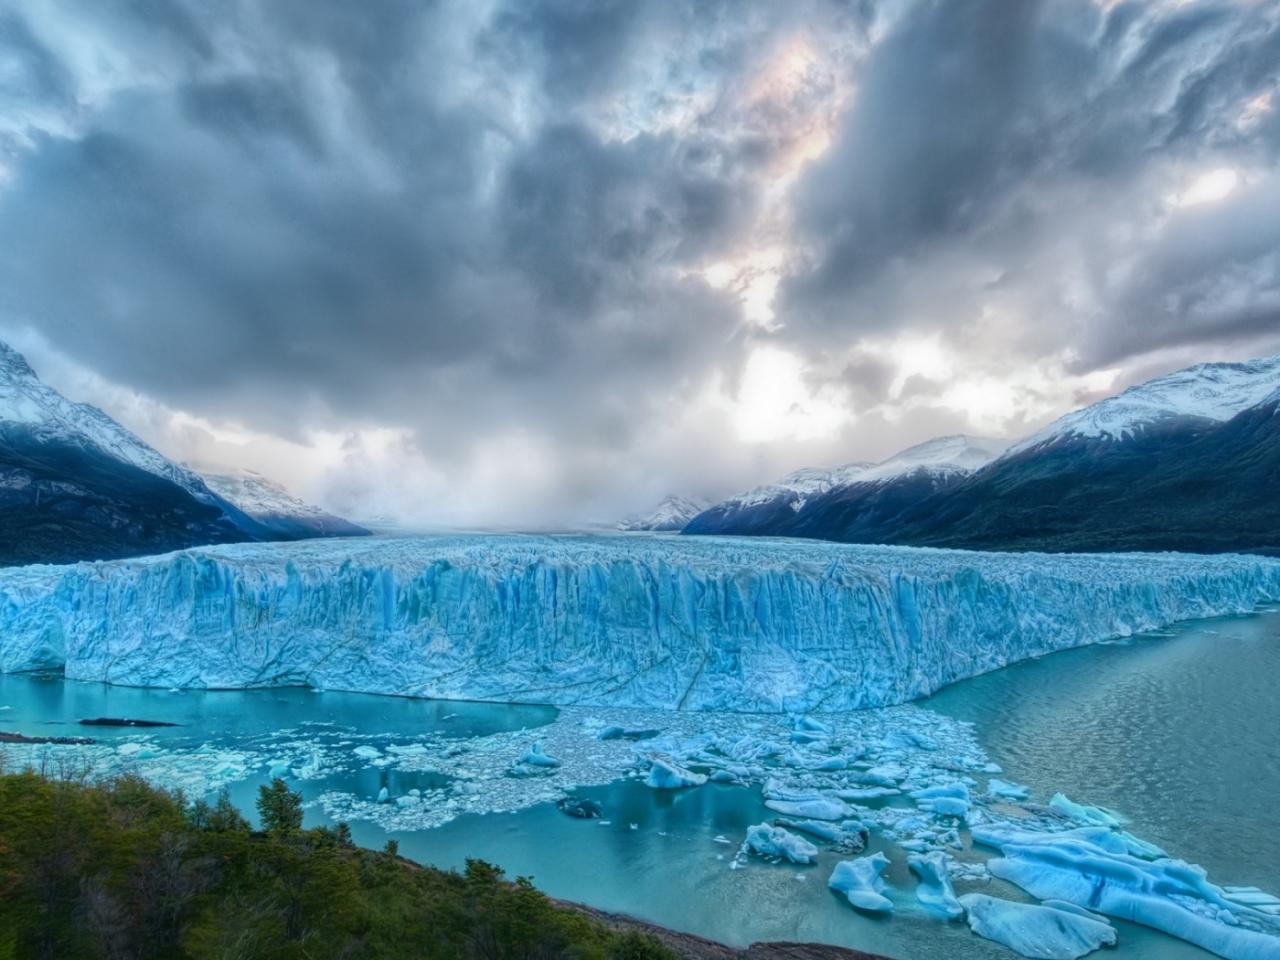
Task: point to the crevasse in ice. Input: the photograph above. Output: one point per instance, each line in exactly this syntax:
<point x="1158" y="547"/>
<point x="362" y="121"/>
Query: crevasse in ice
<point x="670" y="622"/>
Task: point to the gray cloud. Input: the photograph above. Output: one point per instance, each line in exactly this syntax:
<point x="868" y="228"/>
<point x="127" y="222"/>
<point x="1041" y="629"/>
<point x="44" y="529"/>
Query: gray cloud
<point x="982" y="136"/>
<point x="474" y="222"/>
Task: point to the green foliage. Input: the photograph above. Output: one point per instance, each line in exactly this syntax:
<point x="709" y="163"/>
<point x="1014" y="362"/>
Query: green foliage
<point x="122" y="870"/>
<point x="279" y="808"/>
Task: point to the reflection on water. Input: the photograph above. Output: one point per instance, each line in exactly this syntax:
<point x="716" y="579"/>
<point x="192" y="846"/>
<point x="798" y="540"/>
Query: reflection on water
<point x="1178" y="732"/>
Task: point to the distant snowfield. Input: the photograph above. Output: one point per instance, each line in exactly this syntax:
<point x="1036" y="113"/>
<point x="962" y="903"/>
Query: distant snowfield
<point x="655" y="622"/>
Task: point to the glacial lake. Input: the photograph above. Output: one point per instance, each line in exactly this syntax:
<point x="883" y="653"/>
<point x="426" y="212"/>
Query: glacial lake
<point x="1178" y="731"/>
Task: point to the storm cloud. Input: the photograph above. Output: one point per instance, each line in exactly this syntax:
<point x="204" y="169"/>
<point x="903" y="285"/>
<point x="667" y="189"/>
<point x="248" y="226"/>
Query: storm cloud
<point x="480" y="262"/>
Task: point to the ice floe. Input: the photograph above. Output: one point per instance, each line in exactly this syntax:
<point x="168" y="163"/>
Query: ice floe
<point x="779" y="843"/>
<point x="934" y="891"/>
<point x="860" y="881"/>
<point x="1094" y="868"/>
<point x="1040" y="931"/>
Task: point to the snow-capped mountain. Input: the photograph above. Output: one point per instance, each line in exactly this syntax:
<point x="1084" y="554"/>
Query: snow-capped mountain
<point x="763" y="509"/>
<point x="1188" y="461"/>
<point x="46" y="416"/>
<point x="785" y="508"/>
<point x="672" y="513"/>
<point x="1213" y="392"/>
<point x="276" y="508"/>
<point x="76" y="485"/>
<point x="955" y="454"/>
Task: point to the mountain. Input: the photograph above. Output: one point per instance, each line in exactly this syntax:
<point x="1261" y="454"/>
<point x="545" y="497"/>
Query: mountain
<point x="76" y="485"/>
<point x="1188" y="461"/>
<point x="1204" y="394"/>
<point x="807" y="502"/>
<point x="671" y="514"/>
<point x="770" y="508"/>
<point x="272" y="506"/>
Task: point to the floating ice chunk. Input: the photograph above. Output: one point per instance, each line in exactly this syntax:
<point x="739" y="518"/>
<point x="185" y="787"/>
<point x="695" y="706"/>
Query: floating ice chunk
<point x="1253" y="897"/>
<point x="812" y="725"/>
<point x="1092" y="867"/>
<point x="367" y="752"/>
<point x="881" y="776"/>
<point x="536" y="758"/>
<point x="859" y="880"/>
<point x="611" y="733"/>
<point x="666" y="774"/>
<point x="830" y="765"/>
<point x="818" y="808"/>
<point x="807" y="736"/>
<point x="384" y="795"/>
<point x="767" y="841"/>
<point x="1140" y="848"/>
<point x="946" y="807"/>
<point x="946" y="800"/>
<point x="934" y="891"/>
<point x="867" y="793"/>
<point x="956" y="790"/>
<point x="1007" y="790"/>
<point x="1100" y="816"/>
<point x="908" y="740"/>
<point x="1038" y="931"/>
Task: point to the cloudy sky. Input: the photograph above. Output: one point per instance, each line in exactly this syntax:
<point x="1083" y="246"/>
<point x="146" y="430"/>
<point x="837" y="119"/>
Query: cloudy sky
<point x="537" y="261"/>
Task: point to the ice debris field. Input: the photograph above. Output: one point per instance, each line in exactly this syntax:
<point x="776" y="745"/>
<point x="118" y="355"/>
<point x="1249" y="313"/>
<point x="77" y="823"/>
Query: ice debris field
<point x="897" y="783"/>
<point x="640" y="621"/>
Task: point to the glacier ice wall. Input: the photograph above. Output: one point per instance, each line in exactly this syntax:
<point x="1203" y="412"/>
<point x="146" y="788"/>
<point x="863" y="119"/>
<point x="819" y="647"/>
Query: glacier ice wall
<point x="691" y="623"/>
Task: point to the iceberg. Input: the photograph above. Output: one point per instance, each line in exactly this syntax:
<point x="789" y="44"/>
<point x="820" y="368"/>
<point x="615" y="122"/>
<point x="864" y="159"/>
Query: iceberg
<point x="1092" y="867"/>
<point x="935" y="892"/>
<point x="1043" y="931"/>
<point x="767" y="841"/>
<point x="656" y="621"/>
<point x="1081" y="813"/>
<point x="1006" y="790"/>
<point x="859" y="880"/>
<point x="817" y="808"/>
<point x="666" y="774"/>
<point x="534" y="757"/>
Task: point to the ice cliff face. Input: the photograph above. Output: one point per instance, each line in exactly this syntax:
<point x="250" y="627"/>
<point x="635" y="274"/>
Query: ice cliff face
<point x="660" y="622"/>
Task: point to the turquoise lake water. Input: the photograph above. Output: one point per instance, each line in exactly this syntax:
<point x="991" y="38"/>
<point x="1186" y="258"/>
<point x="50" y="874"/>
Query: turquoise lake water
<point x="1180" y="732"/>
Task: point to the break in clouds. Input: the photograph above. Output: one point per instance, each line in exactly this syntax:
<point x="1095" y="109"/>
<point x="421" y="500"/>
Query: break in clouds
<point x="545" y="261"/>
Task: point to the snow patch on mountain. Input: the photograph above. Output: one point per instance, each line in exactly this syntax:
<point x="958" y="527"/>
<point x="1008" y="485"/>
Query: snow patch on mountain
<point x="1207" y="391"/>
<point x="941" y="456"/>
<point x="50" y="417"/>
<point x="798" y="486"/>
<point x="671" y="514"/>
<point x="269" y="503"/>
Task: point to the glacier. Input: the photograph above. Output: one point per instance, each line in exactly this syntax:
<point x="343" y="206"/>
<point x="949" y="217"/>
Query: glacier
<point x="662" y="622"/>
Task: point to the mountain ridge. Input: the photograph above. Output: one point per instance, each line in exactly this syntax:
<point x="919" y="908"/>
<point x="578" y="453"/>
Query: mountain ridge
<point x="1186" y="461"/>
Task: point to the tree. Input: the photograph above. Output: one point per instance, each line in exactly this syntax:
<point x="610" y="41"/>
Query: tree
<point x="279" y="808"/>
